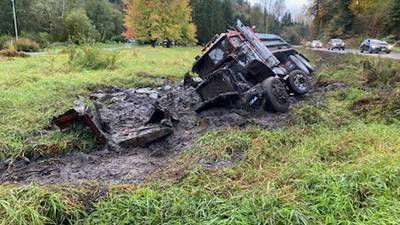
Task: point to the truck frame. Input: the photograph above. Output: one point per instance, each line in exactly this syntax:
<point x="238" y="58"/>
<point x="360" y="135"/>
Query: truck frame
<point x="242" y="69"/>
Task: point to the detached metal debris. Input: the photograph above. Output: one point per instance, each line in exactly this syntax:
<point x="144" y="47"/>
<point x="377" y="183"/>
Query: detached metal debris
<point x="133" y="117"/>
<point x="239" y="69"/>
<point x="79" y="114"/>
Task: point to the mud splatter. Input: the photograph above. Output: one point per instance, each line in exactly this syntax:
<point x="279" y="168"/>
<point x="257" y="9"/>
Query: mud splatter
<point x="120" y="110"/>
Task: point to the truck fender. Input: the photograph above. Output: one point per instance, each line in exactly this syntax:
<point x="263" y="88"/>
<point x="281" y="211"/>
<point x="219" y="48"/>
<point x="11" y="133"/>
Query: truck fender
<point x="299" y="64"/>
<point x="305" y="62"/>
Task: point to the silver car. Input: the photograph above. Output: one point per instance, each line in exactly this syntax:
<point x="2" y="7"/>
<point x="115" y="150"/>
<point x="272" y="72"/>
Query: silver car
<point x="316" y="44"/>
<point x="336" y="44"/>
<point x="375" y="46"/>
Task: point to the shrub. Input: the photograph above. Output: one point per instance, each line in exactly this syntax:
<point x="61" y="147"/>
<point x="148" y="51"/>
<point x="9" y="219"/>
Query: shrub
<point x="385" y="106"/>
<point x="12" y="53"/>
<point x="79" y="27"/>
<point x="381" y="72"/>
<point x="42" y="38"/>
<point x="93" y="58"/>
<point x="118" y="38"/>
<point x="4" y="40"/>
<point x="26" y="45"/>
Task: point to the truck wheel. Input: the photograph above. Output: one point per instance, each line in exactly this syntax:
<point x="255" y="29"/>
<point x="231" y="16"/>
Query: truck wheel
<point x="370" y="51"/>
<point x="299" y="82"/>
<point x="276" y="95"/>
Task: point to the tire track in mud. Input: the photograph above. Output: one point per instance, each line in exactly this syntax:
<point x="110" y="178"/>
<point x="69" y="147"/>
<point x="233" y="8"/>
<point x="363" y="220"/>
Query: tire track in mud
<point x="124" y="109"/>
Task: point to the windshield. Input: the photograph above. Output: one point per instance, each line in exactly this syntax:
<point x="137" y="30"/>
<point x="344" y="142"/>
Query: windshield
<point x="378" y="42"/>
<point x="219" y="51"/>
<point x="337" y="40"/>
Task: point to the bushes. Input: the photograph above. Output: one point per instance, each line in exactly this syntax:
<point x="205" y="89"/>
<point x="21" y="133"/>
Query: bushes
<point x="79" y="27"/>
<point x="4" y="40"/>
<point x="42" y="38"/>
<point x="91" y="57"/>
<point x="26" y="45"/>
<point x="380" y="72"/>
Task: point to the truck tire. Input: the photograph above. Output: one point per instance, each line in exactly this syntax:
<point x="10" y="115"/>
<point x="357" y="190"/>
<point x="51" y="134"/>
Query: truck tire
<point x="299" y="82"/>
<point x="276" y="95"/>
<point x="370" y="51"/>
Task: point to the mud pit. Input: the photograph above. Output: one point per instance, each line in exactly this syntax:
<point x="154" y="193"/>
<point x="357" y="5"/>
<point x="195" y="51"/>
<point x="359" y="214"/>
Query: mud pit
<point x="121" y="111"/>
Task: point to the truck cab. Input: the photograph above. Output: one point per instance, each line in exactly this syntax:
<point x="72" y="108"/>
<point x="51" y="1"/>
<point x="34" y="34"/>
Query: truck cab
<point x="239" y="66"/>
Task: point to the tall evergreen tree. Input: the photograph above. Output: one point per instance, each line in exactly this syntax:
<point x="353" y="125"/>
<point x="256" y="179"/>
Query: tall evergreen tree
<point x="394" y="18"/>
<point x="211" y="17"/>
<point x="287" y="19"/>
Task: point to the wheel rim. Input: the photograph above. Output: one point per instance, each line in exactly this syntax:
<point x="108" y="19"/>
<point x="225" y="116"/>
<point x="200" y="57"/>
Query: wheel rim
<point x="279" y="92"/>
<point x="300" y="82"/>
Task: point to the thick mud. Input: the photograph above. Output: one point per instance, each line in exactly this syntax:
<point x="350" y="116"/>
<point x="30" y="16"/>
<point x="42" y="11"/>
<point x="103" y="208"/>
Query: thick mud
<point x="119" y="112"/>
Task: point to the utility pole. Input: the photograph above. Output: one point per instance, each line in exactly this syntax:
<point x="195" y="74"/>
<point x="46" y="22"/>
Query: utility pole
<point x="63" y="8"/>
<point x="15" y="20"/>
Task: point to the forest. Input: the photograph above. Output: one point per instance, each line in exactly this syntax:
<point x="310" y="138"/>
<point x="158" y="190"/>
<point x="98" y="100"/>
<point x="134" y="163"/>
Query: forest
<point x="193" y="21"/>
<point x="355" y="18"/>
<point x="48" y="21"/>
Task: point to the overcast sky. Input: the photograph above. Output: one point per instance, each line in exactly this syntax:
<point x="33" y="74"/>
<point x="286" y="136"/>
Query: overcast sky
<point x="294" y="6"/>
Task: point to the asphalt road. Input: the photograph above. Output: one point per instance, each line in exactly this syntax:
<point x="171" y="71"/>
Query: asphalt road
<point x="393" y="55"/>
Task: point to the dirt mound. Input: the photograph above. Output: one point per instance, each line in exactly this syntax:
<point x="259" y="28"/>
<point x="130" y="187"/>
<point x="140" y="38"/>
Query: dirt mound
<point x="121" y="112"/>
<point x="12" y="54"/>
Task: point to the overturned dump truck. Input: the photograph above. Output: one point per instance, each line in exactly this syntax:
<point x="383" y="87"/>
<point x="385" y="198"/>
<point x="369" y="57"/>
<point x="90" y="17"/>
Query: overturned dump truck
<point x="243" y="69"/>
<point x="239" y="69"/>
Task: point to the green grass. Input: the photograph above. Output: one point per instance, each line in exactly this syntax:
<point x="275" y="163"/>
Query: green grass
<point x="329" y="164"/>
<point x="34" y="89"/>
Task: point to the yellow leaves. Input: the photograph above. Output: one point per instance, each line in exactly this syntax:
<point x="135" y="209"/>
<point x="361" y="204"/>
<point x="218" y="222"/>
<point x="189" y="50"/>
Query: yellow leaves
<point x="364" y="6"/>
<point x="156" y="20"/>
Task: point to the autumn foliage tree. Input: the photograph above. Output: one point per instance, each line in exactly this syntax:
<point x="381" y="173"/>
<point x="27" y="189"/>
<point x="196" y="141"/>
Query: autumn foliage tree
<point x="355" y="18"/>
<point x="158" y="20"/>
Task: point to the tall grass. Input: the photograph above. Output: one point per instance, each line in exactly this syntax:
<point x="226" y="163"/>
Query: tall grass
<point x="92" y="57"/>
<point x="36" y="206"/>
<point x="326" y="165"/>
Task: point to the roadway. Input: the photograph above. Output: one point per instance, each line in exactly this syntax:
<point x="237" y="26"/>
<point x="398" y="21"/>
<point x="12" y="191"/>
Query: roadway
<point x="393" y="55"/>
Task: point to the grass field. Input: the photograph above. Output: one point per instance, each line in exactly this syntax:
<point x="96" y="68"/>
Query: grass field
<point x="35" y="88"/>
<point x="336" y="161"/>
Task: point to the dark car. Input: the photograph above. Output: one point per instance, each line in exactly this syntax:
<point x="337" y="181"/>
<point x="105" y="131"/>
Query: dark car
<point x="336" y="44"/>
<point x="375" y="46"/>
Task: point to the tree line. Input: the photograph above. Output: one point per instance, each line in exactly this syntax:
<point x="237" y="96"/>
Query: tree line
<point x="63" y="20"/>
<point x="267" y="16"/>
<point x="355" y="18"/>
<point x="179" y="21"/>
